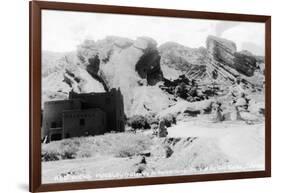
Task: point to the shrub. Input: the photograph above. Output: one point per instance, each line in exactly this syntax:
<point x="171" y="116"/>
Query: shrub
<point x="57" y="150"/>
<point x="69" y="152"/>
<point x="117" y="144"/>
<point x="69" y="149"/>
<point x="50" y="156"/>
<point x="169" y="119"/>
<point x="132" y="145"/>
<point x="125" y="151"/>
<point x="181" y="90"/>
<point x="138" y="122"/>
<point x="152" y="119"/>
<point x="84" y="154"/>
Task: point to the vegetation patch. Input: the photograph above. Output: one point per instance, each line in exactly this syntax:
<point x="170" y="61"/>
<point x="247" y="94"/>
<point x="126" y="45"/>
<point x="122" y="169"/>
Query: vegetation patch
<point x="117" y="144"/>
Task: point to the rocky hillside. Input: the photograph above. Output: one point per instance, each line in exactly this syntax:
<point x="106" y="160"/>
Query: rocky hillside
<point x="219" y="61"/>
<point x="189" y="61"/>
<point x="139" y="67"/>
<point x="61" y="73"/>
<point x="132" y="66"/>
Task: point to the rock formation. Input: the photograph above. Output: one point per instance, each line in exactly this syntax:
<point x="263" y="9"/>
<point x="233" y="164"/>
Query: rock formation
<point x="224" y="51"/>
<point x="244" y="63"/>
<point x="139" y="68"/>
<point x="128" y="65"/>
<point x="189" y="61"/>
<point x="61" y="74"/>
<point x="148" y="66"/>
<point x="221" y="49"/>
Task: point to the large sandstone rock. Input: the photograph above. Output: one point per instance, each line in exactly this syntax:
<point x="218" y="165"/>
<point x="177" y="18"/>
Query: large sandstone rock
<point x="135" y="66"/>
<point x="145" y="43"/>
<point x="125" y="64"/>
<point x="225" y="52"/>
<point x="221" y="49"/>
<point x="65" y="75"/>
<point x="204" y="65"/>
<point x="245" y="63"/>
<point x="190" y="61"/>
<point x="96" y="54"/>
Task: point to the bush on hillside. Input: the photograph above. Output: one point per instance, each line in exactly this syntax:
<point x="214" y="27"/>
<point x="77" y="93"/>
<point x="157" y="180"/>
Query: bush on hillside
<point x="169" y="119"/>
<point x="152" y="119"/>
<point x="117" y="144"/>
<point x="138" y="122"/>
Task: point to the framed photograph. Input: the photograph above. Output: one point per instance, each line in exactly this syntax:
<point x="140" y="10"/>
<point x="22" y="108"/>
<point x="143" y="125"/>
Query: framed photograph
<point x="126" y="96"/>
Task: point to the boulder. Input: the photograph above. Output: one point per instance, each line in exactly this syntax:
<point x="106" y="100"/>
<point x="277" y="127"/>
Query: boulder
<point x="245" y="63"/>
<point x="103" y="48"/>
<point x="224" y="51"/>
<point x="241" y="102"/>
<point x="62" y="75"/>
<point x="145" y="43"/>
<point x="221" y="49"/>
<point x="80" y="81"/>
<point x="122" y="63"/>
<point x="181" y="59"/>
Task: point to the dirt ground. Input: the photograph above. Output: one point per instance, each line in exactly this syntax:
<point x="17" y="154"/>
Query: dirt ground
<point x="197" y="145"/>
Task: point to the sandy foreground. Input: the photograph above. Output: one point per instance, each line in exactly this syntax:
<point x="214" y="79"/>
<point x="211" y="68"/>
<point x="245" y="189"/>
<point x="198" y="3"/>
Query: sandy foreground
<point x="202" y="146"/>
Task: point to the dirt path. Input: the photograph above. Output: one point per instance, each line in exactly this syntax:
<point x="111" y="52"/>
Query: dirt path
<point x="240" y="141"/>
<point x="87" y="169"/>
<point x="203" y="147"/>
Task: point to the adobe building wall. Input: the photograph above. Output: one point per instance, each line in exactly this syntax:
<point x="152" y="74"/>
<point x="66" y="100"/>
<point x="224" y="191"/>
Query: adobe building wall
<point x="119" y="112"/>
<point x="110" y="102"/>
<point x="52" y="113"/>
<point x="56" y="114"/>
<point x="77" y="123"/>
<point x="55" y="134"/>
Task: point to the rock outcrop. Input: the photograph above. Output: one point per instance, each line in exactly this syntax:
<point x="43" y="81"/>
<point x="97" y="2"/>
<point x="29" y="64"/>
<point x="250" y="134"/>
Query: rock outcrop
<point x="221" y="49"/>
<point x="138" y="68"/>
<point x="96" y="55"/>
<point x="189" y="61"/>
<point x="245" y="63"/>
<point x="148" y="66"/>
<point x="125" y="64"/>
<point x="225" y="52"/>
<point x="65" y="75"/>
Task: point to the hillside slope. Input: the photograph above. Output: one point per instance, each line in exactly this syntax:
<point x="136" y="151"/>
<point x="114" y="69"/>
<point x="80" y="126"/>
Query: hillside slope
<point x="138" y="68"/>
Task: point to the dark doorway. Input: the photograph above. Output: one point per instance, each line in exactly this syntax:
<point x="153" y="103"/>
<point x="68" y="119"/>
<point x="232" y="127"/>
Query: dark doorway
<point x="53" y="125"/>
<point x="56" y="137"/>
<point x="82" y="122"/>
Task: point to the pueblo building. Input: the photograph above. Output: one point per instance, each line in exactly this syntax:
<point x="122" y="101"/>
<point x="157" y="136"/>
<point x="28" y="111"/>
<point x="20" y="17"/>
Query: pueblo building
<point x="83" y="114"/>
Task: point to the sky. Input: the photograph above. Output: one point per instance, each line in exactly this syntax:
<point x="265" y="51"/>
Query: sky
<point x="63" y="31"/>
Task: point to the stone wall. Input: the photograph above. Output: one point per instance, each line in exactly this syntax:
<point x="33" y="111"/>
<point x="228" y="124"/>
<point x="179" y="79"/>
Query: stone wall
<point x="77" y="123"/>
<point x="111" y="103"/>
<point x="52" y="113"/>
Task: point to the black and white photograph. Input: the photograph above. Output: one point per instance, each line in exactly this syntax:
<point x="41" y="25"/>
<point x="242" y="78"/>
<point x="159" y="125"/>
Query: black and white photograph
<point x="133" y="96"/>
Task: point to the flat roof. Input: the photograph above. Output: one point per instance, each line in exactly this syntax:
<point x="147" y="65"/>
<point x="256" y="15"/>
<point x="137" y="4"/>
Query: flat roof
<point x="62" y="101"/>
<point x="83" y="110"/>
